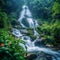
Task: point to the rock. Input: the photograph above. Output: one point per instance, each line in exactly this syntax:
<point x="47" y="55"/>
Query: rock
<point x="23" y="31"/>
<point x="49" y="45"/>
<point x="31" y="56"/>
<point x="43" y="56"/>
<point x="39" y="42"/>
<point x="38" y="56"/>
<point x="48" y="57"/>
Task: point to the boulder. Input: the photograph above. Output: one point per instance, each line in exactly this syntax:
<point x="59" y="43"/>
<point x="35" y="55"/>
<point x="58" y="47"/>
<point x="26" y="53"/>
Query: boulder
<point x="39" y="42"/>
<point x="23" y="31"/>
<point x="31" y="56"/>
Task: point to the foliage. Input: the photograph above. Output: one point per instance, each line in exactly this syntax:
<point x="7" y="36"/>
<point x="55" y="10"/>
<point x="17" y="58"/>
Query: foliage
<point x="57" y="1"/>
<point x="11" y="5"/>
<point x="9" y="11"/>
<point x="3" y="19"/>
<point x="43" y="8"/>
<point x="9" y="47"/>
<point x="56" y="10"/>
<point x="51" y="32"/>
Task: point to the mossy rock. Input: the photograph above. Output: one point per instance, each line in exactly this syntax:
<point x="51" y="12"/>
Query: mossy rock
<point x="24" y="21"/>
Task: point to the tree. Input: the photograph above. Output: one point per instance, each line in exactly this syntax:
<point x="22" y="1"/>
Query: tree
<point x="40" y="8"/>
<point x="9" y="10"/>
<point x="56" y="9"/>
<point x="3" y="19"/>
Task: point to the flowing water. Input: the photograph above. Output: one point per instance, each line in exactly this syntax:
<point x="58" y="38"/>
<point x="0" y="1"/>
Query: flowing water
<point x="31" y="47"/>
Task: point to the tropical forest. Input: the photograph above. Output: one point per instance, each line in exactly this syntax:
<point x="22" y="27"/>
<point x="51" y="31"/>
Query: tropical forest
<point x="29" y="29"/>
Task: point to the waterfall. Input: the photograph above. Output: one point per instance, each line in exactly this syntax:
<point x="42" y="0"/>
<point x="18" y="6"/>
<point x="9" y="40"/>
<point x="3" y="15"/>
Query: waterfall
<point x="31" y="47"/>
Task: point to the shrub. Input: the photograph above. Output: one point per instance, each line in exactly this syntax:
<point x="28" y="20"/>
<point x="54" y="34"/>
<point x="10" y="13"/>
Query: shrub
<point x="9" y="47"/>
<point x="51" y="32"/>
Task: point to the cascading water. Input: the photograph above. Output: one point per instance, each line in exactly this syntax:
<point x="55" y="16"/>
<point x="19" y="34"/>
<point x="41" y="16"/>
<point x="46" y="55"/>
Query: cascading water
<point x="31" y="47"/>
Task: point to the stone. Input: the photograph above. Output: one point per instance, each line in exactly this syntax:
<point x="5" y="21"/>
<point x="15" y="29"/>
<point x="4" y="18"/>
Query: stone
<point x="31" y="56"/>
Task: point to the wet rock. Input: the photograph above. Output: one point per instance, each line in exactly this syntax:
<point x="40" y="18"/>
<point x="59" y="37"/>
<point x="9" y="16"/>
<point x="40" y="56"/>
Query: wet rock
<point x="43" y="56"/>
<point x="39" y="42"/>
<point x="38" y="56"/>
<point x="31" y="56"/>
<point x="48" y="57"/>
<point x="23" y="31"/>
<point x="25" y="22"/>
<point x="49" y="45"/>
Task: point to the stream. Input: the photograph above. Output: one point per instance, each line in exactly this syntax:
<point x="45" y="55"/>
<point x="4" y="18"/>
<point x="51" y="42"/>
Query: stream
<point x="42" y="52"/>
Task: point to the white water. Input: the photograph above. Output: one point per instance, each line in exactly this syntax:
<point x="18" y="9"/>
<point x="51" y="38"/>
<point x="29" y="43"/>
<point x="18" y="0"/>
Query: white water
<point x="29" y="44"/>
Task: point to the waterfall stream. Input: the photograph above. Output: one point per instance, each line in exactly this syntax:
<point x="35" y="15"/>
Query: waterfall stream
<point x="31" y="47"/>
